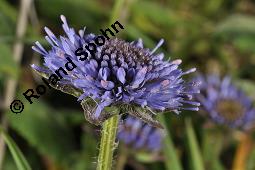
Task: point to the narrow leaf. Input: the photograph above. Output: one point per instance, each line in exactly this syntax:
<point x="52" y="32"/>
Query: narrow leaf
<point x="172" y="161"/>
<point x="195" y="154"/>
<point x="17" y="155"/>
<point x="211" y="155"/>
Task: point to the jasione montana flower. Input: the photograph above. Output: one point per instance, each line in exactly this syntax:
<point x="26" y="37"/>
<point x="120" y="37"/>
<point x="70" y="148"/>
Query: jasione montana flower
<point x="139" y="135"/>
<point x="120" y="73"/>
<point x="225" y="103"/>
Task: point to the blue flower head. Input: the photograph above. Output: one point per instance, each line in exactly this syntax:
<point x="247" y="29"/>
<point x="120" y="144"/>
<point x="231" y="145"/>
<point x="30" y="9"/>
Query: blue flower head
<point x="139" y="135"/>
<point x="124" y="74"/>
<point x="225" y="103"/>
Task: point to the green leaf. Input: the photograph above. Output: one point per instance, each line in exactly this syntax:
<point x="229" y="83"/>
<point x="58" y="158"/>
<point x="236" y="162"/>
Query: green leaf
<point x="17" y="155"/>
<point x="195" y="154"/>
<point x="44" y="129"/>
<point x="69" y="89"/>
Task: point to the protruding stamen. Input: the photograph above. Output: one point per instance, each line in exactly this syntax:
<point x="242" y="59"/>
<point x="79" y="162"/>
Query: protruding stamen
<point x="177" y="62"/>
<point x="157" y="46"/>
<point x="189" y="71"/>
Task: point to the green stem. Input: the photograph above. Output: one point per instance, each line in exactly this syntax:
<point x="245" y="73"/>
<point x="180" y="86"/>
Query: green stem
<point x="107" y="144"/>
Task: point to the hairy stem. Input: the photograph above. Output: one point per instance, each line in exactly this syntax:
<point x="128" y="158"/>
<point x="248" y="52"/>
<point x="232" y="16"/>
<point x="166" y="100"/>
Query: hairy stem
<point x="107" y="144"/>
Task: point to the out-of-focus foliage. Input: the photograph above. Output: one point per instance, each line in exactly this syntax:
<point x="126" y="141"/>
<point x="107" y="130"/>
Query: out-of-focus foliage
<point x="19" y="158"/>
<point x="7" y="66"/>
<point x="215" y="36"/>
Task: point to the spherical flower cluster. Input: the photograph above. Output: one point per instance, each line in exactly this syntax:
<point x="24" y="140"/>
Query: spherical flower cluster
<point x="120" y="73"/>
<point x="225" y="103"/>
<point x="139" y="135"/>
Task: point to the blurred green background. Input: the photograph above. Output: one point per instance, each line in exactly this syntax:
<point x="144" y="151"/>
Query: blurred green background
<point x="215" y="36"/>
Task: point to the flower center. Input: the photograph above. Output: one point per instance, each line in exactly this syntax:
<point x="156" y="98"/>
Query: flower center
<point x="230" y="110"/>
<point x="128" y="51"/>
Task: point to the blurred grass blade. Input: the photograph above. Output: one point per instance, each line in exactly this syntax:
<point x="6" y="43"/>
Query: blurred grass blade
<point x="46" y="130"/>
<point x="251" y="159"/>
<point x="156" y="13"/>
<point x="246" y="25"/>
<point x="171" y="158"/>
<point x="8" y="66"/>
<point x="135" y="33"/>
<point x="118" y="5"/>
<point x="8" y="11"/>
<point x="241" y="35"/>
<point x="195" y="154"/>
<point x="17" y="155"/>
<point x="212" y="137"/>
